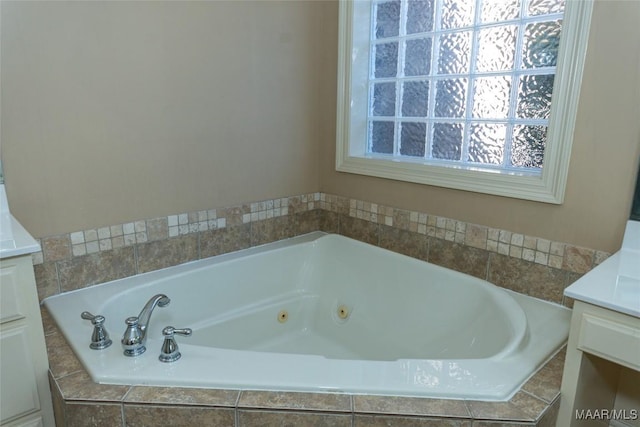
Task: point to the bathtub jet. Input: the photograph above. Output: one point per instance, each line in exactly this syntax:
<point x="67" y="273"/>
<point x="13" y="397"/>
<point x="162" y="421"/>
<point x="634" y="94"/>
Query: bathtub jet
<point x="323" y="312"/>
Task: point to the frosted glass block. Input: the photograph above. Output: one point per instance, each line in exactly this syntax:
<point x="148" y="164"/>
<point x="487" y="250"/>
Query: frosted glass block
<point x="496" y="48"/>
<point x="419" y="16"/>
<point x="415" y="99"/>
<point x="447" y="141"/>
<point x="534" y="96"/>
<point x="499" y="10"/>
<point x="384" y="99"/>
<point x="491" y="97"/>
<point x="412" y="139"/>
<point x="540" y="44"/>
<point x="382" y="137"/>
<point x="417" y="57"/>
<point x="455" y="53"/>
<point x="451" y="96"/>
<point x="457" y="13"/>
<point x="486" y="143"/>
<point x="545" y="7"/>
<point x="387" y="19"/>
<point x="386" y="63"/>
<point x="527" y="146"/>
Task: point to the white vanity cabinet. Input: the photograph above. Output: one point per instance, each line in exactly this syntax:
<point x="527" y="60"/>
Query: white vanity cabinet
<point x="603" y="352"/>
<point x="601" y="343"/>
<point x="25" y="398"/>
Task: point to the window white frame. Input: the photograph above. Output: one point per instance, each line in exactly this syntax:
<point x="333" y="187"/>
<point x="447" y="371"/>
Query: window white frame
<point x="547" y="186"/>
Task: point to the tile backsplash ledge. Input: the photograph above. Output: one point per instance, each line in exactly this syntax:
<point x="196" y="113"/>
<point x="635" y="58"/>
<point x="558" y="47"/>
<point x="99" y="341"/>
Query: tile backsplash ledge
<point x="83" y="258"/>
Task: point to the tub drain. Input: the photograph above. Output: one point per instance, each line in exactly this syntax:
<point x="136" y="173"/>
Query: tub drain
<point x="283" y="316"/>
<point x="343" y="312"/>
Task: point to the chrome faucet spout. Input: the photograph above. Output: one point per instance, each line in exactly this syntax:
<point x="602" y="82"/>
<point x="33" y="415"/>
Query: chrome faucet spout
<point x="134" y="338"/>
<point x="144" y="317"/>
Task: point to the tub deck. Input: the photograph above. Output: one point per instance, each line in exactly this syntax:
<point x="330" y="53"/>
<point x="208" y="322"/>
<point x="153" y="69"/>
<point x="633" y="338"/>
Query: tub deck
<point x="77" y="399"/>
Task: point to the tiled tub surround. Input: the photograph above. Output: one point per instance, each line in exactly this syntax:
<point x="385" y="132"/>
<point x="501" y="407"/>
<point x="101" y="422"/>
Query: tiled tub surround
<point x="80" y="402"/>
<point x="525" y="264"/>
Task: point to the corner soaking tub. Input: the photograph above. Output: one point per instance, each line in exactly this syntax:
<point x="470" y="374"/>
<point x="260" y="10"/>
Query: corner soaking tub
<point x="320" y="313"/>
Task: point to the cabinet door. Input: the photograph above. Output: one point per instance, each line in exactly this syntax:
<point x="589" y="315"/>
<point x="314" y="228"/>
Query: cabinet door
<point x="11" y="300"/>
<point x="18" y="391"/>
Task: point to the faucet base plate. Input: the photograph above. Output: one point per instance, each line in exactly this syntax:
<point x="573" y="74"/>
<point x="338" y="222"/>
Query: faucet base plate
<point x="137" y="352"/>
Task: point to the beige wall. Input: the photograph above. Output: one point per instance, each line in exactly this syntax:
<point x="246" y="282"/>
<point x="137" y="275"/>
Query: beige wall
<point x="116" y="111"/>
<point x="119" y="111"/>
<point x="604" y="159"/>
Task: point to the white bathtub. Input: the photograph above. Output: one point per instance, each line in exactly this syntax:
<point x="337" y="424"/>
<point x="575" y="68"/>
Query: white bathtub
<point x="359" y="319"/>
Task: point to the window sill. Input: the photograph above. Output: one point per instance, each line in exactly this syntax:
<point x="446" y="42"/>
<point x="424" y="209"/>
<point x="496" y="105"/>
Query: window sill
<point x="536" y="187"/>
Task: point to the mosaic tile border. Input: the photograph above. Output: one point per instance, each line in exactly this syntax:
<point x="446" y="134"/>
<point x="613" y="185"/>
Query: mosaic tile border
<point x="541" y="251"/>
<point x="515" y="245"/>
<point x="85" y="242"/>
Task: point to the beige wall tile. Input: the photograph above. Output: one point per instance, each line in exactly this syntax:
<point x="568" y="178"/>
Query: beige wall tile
<point x="405" y="242"/>
<point x="56" y="248"/>
<point x="182" y="396"/>
<point x="410" y="406"/>
<point x="166" y="253"/>
<point x="359" y="229"/>
<point x="177" y="416"/>
<point x="80" y="386"/>
<point x="458" y="257"/>
<point x="80" y="272"/>
<point x="252" y="418"/>
<point x="397" y="421"/>
<point x="224" y="240"/>
<point x="91" y="415"/>
<point x="62" y="361"/>
<point x="333" y="402"/>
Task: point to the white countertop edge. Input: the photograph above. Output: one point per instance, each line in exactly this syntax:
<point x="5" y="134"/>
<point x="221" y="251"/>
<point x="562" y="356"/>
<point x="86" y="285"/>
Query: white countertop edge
<point x="614" y="284"/>
<point x="23" y="242"/>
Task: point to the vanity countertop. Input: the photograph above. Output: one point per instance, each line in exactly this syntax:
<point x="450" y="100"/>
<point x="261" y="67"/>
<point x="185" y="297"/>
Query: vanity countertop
<point x="614" y="284"/>
<point x="14" y="239"/>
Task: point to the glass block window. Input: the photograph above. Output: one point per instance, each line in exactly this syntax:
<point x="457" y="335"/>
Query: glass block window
<point x="467" y="82"/>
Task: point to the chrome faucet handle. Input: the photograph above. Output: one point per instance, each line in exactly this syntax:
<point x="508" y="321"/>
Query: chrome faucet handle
<point x="132" y="338"/>
<point x="169" y="351"/>
<point x="99" y="338"/>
